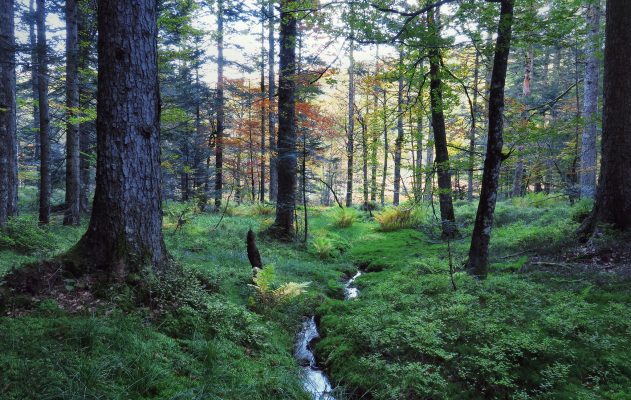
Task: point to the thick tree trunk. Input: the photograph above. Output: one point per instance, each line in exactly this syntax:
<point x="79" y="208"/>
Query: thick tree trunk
<point x="220" y="108"/>
<point x="73" y="180"/>
<point x="8" y="138"/>
<point x="613" y="198"/>
<point x="398" y="144"/>
<point x="447" y="217"/>
<point x="477" y="264"/>
<point x="590" y="102"/>
<point x="350" y="134"/>
<point x="283" y="227"/>
<point x="125" y="231"/>
<point x="271" y="76"/>
<point x="44" y="119"/>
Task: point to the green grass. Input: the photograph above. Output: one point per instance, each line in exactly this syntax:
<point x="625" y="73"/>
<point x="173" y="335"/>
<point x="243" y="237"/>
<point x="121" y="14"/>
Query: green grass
<point x="408" y="335"/>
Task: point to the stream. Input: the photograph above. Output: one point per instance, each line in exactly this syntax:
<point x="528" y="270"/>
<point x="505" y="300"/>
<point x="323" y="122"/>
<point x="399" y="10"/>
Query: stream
<point x="314" y="380"/>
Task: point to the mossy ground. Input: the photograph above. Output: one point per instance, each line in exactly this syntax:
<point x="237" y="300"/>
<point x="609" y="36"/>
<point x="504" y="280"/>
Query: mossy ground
<point x="409" y="335"/>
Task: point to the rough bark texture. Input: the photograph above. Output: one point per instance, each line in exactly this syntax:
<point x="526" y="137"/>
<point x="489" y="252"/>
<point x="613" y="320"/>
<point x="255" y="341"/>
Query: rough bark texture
<point x="440" y="138"/>
<point x="263" y="122"/>
<point x="613" y="198"/>
<point x="220" y="109"/>
<point x="283" y="227"/>
<point x="350" y="137"/>
<point x="472" y="132"/>
<point x="73" y="180"/>
<point x="590" y="102"/>
<point x="44" y="120"/>
<point x="125" y="231"/>
<point x="271" y="92"/>
<point x="398" y="144"/>
<point x="8" y="138"/>
<point x="477" y="264"/>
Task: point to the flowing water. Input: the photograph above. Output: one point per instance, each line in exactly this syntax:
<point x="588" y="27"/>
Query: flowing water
<point x="314" y="379"/>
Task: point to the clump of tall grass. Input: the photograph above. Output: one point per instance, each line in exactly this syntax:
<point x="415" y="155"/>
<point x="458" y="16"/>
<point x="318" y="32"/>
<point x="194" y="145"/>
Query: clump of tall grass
<point x="395" y="218"/>
<point x="344" y="217"/>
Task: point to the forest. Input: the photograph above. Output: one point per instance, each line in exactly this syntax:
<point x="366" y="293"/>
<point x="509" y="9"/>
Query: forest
<point x="315" y="199"/>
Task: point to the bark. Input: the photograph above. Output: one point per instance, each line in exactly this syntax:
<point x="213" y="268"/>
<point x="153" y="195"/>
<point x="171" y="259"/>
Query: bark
<point x="8" y="138"/>
<point x="34" y="74"/>
<point x="73" y="180"/>
<point x="86" y="38"/>
<point x="220" y="108"/>
<point x="590" y="102"/>
<point x="263" y="111"/>
<point x="429" y="165"/>
<point x="350" y="138"/>
<point x="385" y="148"/>
<point x="518" y="180"/>
<point x="447" y="217"/>
<point x="125" y="231"/>
<point x="418" y="162"/>
<point x="44" y="119"/>
<point x="398" y="144"/>
<point x="477" y="264"/>
<point x="271" y="76"/>
<point x="364" y="137"/>
<point x="472" y="132"/>
<point x="613" y="198"/>
<point x="283" y="227"/>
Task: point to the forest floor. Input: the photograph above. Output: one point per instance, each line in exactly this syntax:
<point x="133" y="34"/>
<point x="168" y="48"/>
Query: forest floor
<point x="553" y="319"/>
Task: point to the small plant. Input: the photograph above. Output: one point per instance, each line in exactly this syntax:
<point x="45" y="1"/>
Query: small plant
<point x="344" y="217"/>
<point x="24" y="235"/>
<point x="323" y="247"/>
<point x="262" y="209"/>
<point x="269" y="293"/>
<point x="395" y="218"/>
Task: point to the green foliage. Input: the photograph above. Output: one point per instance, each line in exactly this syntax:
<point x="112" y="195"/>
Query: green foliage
<point x="395" y="218"/>
<point x="329" y="245"/>
<point x="271" y="293"/>
<point x="344" y="217"/>
<point x="23" y="234"/>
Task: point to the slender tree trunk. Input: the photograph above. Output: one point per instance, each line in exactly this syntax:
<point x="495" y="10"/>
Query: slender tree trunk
<point x="44" y="120"/>
<point x="429" y="165"/>
<point x="8" y="134"/>
<point x="73" y="178"/>
<point x="85" y="128"/>
<point x="374" y="141"/>
<point x="472" y="133"/>
<point x="613" y="197"/>
<point x="34" y="73"/>
<point x="385" y="148"/>
<point x="125" y="231"/>
<point x="590" y="102"/>
<point x="440" y="138"/>
<point x="350" y="138"/>
<point x="220" y="108"/>
<point x="263" y="111"/>
<point x="477" y="264"/>
<point x="418" y="164"/>
<point x="271" y="76"/>
<point x="364" y="127"/>
<point x="283" y="227"/>
<point x="518" y="180"/>
<point x="398" y="144"/>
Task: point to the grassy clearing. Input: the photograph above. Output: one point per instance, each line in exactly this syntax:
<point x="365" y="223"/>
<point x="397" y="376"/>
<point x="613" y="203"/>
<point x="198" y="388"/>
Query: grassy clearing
<point x="408" y="335"/>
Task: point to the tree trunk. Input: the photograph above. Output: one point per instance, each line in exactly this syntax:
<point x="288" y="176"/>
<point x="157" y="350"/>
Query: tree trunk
<point x="429" y="165"/>
<point x="398" y="144"/>
<point x="220" y="108"/>
<point x="125" y="231"/>
<point x="364" y="127"/>
<point x="590" y="102"/>
<point x="263" y="111"/>
<point x="613" y="198"/>
<point x="271" y="76"/>
<point x="283" y="227"/>
<point x="86" y="38"/>
<point x="73" y="180"/>
<point x="34" y="73"/>
<point x="472" y="133"/>
<point x="44" y="120"/>
<point x="8" y="138"/>
<point x="518" y="180"/>
<point x="447" y="217"/>
<point x="477" y="264"/>
<point x="350" y="138"/>
<point x="385" y="148"/>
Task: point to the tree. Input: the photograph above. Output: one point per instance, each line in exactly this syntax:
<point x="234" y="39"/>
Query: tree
<point x="613" y="198"/>
<point x="219" y="130"/>
<point x="283" y="227"/>
<point x="447" y="217"/>
<point x="271" y="95"/>
<point x="73" y="180"/>
<point x="350" y="126"/>
<point x="477" y="264"/>
<point x="590" y="101"/>
<point x="8" y="138"/>
<point x="45" y="185"/>
<point x="398" y="144"/>
<point x="125" y="230"/>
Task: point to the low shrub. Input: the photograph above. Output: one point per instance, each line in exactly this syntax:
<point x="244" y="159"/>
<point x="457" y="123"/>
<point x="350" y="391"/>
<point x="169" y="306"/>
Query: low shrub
<point x="344" y="217"/>
<point x="395" y="218"/>
<point x="23" y="234"/>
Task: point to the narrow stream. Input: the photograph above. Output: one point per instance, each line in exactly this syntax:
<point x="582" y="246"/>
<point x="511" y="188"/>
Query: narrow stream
<point x="314" y="379"/>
